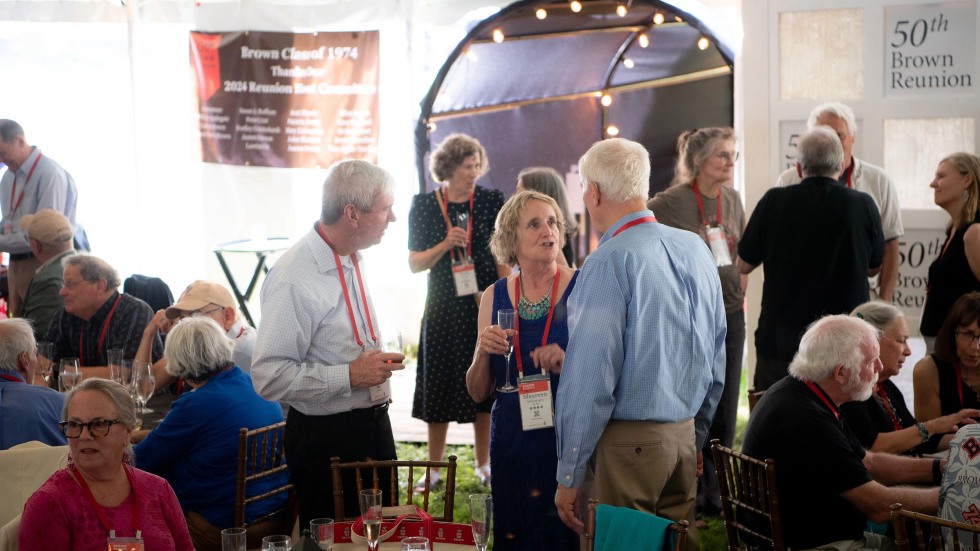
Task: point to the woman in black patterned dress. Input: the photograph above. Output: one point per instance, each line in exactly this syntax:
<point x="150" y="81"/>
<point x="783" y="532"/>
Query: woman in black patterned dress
<point x="450" y="228"/>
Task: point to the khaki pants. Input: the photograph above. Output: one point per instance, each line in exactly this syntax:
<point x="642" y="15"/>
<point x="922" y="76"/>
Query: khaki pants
<point x="19" y="276"/>
<point x="649" y="467"/>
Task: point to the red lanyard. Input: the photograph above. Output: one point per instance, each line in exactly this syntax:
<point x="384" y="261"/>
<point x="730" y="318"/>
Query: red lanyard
<point x="105" y="327"/>
<point x="959" y="382"/>
<point x="101" y="513"/>
<point x="240" y="331"/>
<point x="9" y="377"/>
<point x="13" y="189"/>
<point x="823" y="398"/>
<point x="517" y="319"/>
<point x="887" y="403"/>
<point x="697" y="193"/>
<point x="444" y="207"/>
<point x="636" y="222"/>
<point x="343" y="285"/>
<point x="849" y="171"/>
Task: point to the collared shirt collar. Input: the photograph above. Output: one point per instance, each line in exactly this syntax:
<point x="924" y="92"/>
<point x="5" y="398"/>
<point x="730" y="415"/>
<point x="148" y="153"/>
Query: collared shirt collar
<point x="26" y="165"/>
<point x="13" y="374"/>
<point x="56" y="258"/>
<point x="623" y="221"/>
<point x="323" y="255"/>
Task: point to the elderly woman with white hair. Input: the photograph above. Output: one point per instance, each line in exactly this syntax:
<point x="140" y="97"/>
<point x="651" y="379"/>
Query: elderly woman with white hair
<point x="196" y="446"/>
<point x="883" y="423"/>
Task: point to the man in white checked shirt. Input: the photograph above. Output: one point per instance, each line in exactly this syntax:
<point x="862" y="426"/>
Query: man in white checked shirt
<point x="317" y="348"/>
<point x="645" y="364"/>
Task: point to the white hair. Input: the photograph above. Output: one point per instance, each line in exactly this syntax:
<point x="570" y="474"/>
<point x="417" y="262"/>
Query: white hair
<point x="197" y="348"/>
<point x="836" y="109"/>
<point x="829" y="342"/>
<point x="619" y="167"/>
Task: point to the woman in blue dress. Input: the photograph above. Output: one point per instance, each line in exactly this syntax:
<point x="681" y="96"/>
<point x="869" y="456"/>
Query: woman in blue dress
<point x="523" y="458"/>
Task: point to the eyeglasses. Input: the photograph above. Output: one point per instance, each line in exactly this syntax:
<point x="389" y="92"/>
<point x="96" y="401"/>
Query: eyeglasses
<point x="968" y="336"/>
<point x="726" y="156"/>
<point x="71" y="284"/>
<point x="97" y="428"/>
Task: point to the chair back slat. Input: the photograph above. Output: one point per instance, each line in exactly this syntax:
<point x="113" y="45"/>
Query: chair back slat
<point x="747" y="486"/>
<point x="930" y="533"/>
<point x="261" y="454"/>
<point x="375" y="469"/>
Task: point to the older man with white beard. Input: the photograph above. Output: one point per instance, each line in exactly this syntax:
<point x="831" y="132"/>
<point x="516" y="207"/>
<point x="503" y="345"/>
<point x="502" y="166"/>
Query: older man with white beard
<point x="829" y="486"/>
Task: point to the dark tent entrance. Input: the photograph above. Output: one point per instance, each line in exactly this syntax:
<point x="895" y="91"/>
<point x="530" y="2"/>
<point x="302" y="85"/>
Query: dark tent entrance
<point x="534" y="91"/>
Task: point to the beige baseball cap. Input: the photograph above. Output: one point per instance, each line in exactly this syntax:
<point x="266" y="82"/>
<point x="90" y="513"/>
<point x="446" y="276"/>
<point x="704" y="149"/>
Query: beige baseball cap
<point x="199" y="294"/>
<point x="47" y="226"/>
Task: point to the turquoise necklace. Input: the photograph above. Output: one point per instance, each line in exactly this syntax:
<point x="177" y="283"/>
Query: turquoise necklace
<point x="533" y="310"/>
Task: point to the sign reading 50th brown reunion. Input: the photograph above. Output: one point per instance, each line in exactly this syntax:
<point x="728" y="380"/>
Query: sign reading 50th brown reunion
<point x="287" y="100"/>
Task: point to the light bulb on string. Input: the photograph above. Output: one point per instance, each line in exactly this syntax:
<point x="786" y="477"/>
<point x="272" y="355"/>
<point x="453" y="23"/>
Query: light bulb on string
<point x="703" y="43"/>
<point x="658" y="18"/>
<point x="644" y="40"/>
<point x="628" y="63"/>
<point x="576" y="6"/>
<point x="498" y="36"/>
<point x="606" y="100"/>
<point x="620" y="10"/>
<point x="541" y="13"/>
<point x="612" y="130"/>
<point x="471" y="55"/>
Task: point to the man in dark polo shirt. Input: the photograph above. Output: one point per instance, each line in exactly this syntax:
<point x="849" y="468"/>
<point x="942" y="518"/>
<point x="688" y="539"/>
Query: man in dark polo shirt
<point x="818" y="243"/>
<point x="828" y="485"/>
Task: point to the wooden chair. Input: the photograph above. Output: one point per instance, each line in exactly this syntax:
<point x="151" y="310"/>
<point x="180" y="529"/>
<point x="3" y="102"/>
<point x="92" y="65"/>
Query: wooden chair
<point x="366" y="476"/>
<point x="754" y="396"/>
<point x="929" y="532"/>
<point x="747" y="485"/>
<point x="261" y="454"/>
<point x="678" y="528"/>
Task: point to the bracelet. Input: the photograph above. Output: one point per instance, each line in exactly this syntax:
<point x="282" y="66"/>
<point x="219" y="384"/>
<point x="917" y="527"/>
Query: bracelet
<point x="937" y="473"/>
<point x="923" y="431"/>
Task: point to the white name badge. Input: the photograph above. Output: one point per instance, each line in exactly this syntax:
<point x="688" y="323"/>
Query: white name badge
<point x="464" y="276"/>
<point x="125" y="544"/>
<point x="381" y="392"/>
<point x="718" y="242"/>
<point x="535" y="397"/>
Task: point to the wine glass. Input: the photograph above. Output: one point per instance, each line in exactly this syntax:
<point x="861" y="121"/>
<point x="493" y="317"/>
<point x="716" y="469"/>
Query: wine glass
<point x="45" y="351"/>
<point x="143" y="385"/>
<point x="371" y="516"/>
<point x="505" y="319"/>
<point x="69" y="374"/>
<point x="481" y="518"/>
<point x="276" y="543"/>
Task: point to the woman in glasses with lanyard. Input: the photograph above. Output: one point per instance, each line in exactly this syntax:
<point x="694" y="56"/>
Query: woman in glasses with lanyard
<point x="100" y="498"/>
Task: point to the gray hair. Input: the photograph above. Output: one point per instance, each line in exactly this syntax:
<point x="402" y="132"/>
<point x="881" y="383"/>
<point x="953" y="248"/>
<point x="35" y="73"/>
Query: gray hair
<point x="93" y="268"/>
<point x="353" y="182"/>
<point x="694" y="147"/>
<point x="125" y="406"/>
<point x="820" y="153"/>
<point x="10" y="130"/>
<point x="453" y="152"/>
<point x="880" y="314"/>
<point x="548" y="181"/>
<point x="16" y="338"/>
<point x="836" y="109"/>
<point x="619" y="167"/>
<point x="829" y="342"/>
<point x="197" y="348"/>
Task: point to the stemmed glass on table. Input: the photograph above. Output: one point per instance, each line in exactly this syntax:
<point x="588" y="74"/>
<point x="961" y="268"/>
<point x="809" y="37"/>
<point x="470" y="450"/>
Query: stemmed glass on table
<point x="69" y="374"/>
<point x="143" y="386"/>
<point x="505" y="319"/>
<point x="481" y="518"/>
<point x="371" y="517"/>
<point x="45" y="351"/>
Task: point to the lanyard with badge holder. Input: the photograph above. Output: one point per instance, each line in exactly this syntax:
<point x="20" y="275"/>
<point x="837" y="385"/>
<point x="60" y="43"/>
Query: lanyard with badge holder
<point x="116" y="544"/>
<point x="102" y="334"/>
<point x="8" y="226"/>
<point x="534" y="392"/>
<point x="716" y="236"/>
<point x="464" y="271"/>
<point x="378" y="392"/>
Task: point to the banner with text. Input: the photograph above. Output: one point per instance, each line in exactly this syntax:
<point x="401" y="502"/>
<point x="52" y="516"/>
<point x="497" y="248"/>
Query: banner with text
<point x="287" y="100"/>
<point x="930" y="49"/>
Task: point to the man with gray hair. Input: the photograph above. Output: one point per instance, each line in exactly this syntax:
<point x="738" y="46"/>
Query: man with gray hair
<point x="50" y="236"/>
<point x="27" y="412"/>
<point x="818" y="243"/>
<point x="865" y="177"/>
<point x="645" y="364"/>
<point x="829" y="485"/>
<point x="97" y="317"/>
<point x="32" y="182"/>
<point x="318" y="347"/>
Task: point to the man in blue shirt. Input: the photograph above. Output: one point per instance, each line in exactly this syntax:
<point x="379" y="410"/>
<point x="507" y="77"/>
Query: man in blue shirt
<point x="645" y="364"/>
<point x="27" y="412"/>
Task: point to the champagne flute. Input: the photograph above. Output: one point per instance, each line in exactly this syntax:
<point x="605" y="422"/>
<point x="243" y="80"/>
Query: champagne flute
<point x="115" y="356"/>
<point x="481" y="518"/>
<point x="143" y="385"/>
<point x="45" y="351"/>
<point x="463" y="221"/>
<point x="505" y="319"/>
<point x="371" y="516"/>
<point x="69" y="375"/>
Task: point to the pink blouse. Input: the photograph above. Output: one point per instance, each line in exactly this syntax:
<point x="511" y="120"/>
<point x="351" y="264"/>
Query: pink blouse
<point x="60" y="517"/>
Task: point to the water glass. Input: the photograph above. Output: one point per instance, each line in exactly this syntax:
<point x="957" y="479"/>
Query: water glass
<point x="371" y="516"/>
<point x="45" y="351"/>
<point x="481" y="518"/>
<point x="233" y="539"/>
<point x="115" y="356"/>
<point x="322" y="530"/>
<point x="392" y="342"/>
<point x="276" y="543"/>
<point x="415" y="544"/>
<point x="69" y="374"/>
